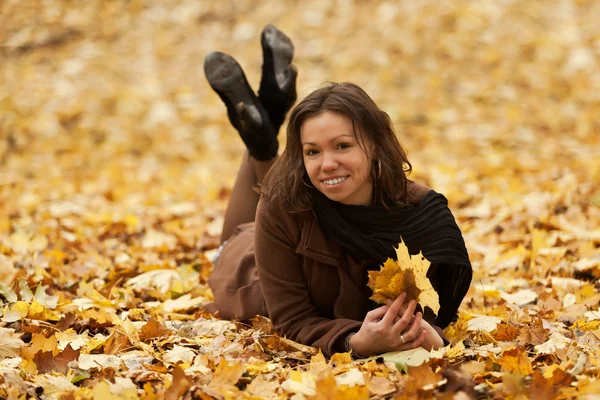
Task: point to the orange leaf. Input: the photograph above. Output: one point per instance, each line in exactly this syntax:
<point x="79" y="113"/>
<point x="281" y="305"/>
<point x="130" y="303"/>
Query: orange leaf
<point x="181" y="383"/>
<point x="422" y="376"/>
<point x="328" y="389"/>
<point x="154" y="329"/>
<point x="542" y="388"/>
<point x="505" y="332"/>
<point x="516" y="360"/>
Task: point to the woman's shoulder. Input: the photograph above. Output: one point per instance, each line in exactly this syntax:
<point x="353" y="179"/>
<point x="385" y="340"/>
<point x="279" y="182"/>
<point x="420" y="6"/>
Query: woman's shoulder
<point x="416" y="191"/>
<point x="271" y="205"/>
<point x="274" y="211"/>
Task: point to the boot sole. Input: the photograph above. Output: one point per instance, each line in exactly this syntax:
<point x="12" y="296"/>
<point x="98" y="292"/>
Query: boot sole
<point x="283" y="51"/>
<point x="225" y="75"/>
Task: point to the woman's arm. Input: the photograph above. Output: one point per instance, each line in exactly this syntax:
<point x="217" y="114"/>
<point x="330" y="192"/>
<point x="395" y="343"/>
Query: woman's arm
<point x="293" y="313"/>
<point x="284" y="286"/>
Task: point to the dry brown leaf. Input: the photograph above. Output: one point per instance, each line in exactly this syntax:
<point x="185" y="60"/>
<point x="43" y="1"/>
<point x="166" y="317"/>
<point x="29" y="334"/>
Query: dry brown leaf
<point x="117" y="343"/>
<point x="261" y="323"/>
<point x="533" y="334"/>
<point x="154" y="329"/>
<point x="47" y="362"/>
<point x="459" y="380"/>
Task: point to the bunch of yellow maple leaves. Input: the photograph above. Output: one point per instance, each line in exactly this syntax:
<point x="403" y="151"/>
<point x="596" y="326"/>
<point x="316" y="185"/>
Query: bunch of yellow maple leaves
<point x="116" y="163"/>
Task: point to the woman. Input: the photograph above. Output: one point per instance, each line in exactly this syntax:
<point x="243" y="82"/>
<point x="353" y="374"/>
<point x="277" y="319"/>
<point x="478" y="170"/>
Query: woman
<point x="331" y="208"/>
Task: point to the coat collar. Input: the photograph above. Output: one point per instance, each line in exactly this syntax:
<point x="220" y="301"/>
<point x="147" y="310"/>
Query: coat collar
<point x="313" y="244"/>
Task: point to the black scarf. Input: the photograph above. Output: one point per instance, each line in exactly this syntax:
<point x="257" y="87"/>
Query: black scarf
<point x="372" y="233"/>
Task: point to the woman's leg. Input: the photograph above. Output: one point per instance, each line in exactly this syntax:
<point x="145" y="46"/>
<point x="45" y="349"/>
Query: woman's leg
<point x="244" y="199"/>
<point x="257" y="119"/>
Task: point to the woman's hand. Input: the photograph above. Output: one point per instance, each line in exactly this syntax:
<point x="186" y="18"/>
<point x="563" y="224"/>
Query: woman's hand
<point x="390" y="328"/>
<point x="433" y="340"/>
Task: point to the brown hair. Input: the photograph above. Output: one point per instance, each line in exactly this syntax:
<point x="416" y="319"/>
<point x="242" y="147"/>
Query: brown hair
<point x="288" y="180"/>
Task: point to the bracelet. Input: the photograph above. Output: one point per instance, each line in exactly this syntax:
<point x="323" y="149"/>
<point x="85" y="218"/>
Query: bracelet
<point x="348" y="346"/>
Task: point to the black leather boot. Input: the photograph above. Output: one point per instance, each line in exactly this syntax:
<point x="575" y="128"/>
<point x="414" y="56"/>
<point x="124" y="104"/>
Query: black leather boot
<point x="277" y="91"/>
<point x="244" y="109"/>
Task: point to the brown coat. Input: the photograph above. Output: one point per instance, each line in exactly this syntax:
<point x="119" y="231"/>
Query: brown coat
<point x="283" y="266"/>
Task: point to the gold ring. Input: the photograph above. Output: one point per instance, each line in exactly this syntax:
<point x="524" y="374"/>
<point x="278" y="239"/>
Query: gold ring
<point x="402" y="338"/>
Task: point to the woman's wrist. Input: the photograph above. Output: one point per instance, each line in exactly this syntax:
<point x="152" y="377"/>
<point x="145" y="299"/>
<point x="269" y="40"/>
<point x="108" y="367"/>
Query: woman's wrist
<point x="350" y="342"/>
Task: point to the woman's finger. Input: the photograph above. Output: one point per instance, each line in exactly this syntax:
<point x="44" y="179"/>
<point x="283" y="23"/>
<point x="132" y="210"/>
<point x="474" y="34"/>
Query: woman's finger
<point x="391" y="314"/>
<point x="404" y="308"/>
<point x="406" y="317"/>
<point x="376" y="314"/>
<point x="412" y="331"/>
<point x="414" y="344"/>
<point x="412" y="306"/>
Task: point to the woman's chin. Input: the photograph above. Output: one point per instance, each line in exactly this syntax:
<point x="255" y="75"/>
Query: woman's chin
<point x="331" y="195"/>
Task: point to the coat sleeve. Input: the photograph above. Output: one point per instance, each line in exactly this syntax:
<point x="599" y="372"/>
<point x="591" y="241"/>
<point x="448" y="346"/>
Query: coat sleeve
<point x="284" y="286"/>
<point x="451" y="282"/>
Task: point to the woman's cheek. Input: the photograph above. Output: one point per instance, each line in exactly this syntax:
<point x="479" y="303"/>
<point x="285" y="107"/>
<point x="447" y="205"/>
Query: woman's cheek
<point x="311" y="170"/>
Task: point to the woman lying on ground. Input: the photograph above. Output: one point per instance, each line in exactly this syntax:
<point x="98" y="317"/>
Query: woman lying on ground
<point x="332" y="207"/>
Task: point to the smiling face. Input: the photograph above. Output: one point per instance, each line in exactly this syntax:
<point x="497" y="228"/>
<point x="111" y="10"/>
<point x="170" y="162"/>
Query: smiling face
<point x="334" y="159"/>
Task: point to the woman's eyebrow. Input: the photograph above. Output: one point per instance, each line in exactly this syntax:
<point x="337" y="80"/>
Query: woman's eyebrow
<point x="331" y="140"/>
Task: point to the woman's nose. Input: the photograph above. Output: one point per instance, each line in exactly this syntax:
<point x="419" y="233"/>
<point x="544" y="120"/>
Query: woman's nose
<point x="329" y="162"/>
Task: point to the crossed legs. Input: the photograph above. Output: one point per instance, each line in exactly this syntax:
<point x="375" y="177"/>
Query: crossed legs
<point x="256" y="118"/>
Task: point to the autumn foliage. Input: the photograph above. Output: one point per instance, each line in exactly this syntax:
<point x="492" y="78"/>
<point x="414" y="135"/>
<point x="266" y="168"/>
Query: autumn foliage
<point x="407" y="274"/>
<point x="117" y="161"/>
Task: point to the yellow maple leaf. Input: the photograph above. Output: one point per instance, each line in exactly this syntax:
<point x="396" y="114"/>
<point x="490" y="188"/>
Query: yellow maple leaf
<point x="408" y="274"/>
<point x="227" y="374"/>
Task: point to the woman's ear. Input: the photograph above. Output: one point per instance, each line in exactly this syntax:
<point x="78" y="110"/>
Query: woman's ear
<point x="373" y="155"/>
<point x="372" y="149"/>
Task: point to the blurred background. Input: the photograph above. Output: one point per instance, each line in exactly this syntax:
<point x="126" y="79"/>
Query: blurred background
<point x="105" y="112"/>
<point x="117" y="161"/>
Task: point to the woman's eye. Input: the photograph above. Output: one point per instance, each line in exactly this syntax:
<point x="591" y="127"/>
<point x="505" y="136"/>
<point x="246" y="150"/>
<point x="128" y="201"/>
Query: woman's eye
<point x="311" y="152"/>
<point x="343" y="146"/>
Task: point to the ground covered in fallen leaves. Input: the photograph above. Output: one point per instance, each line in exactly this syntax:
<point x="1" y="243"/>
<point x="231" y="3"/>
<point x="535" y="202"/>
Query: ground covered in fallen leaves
<point x="116" y="163"/>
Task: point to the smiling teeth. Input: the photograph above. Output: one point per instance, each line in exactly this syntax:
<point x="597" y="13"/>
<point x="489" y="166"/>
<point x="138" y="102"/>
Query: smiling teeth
<point x="335" y="181"/>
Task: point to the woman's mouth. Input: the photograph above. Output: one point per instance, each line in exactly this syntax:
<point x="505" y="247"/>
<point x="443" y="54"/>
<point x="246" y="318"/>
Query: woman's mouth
<point x="335" y="181"/>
